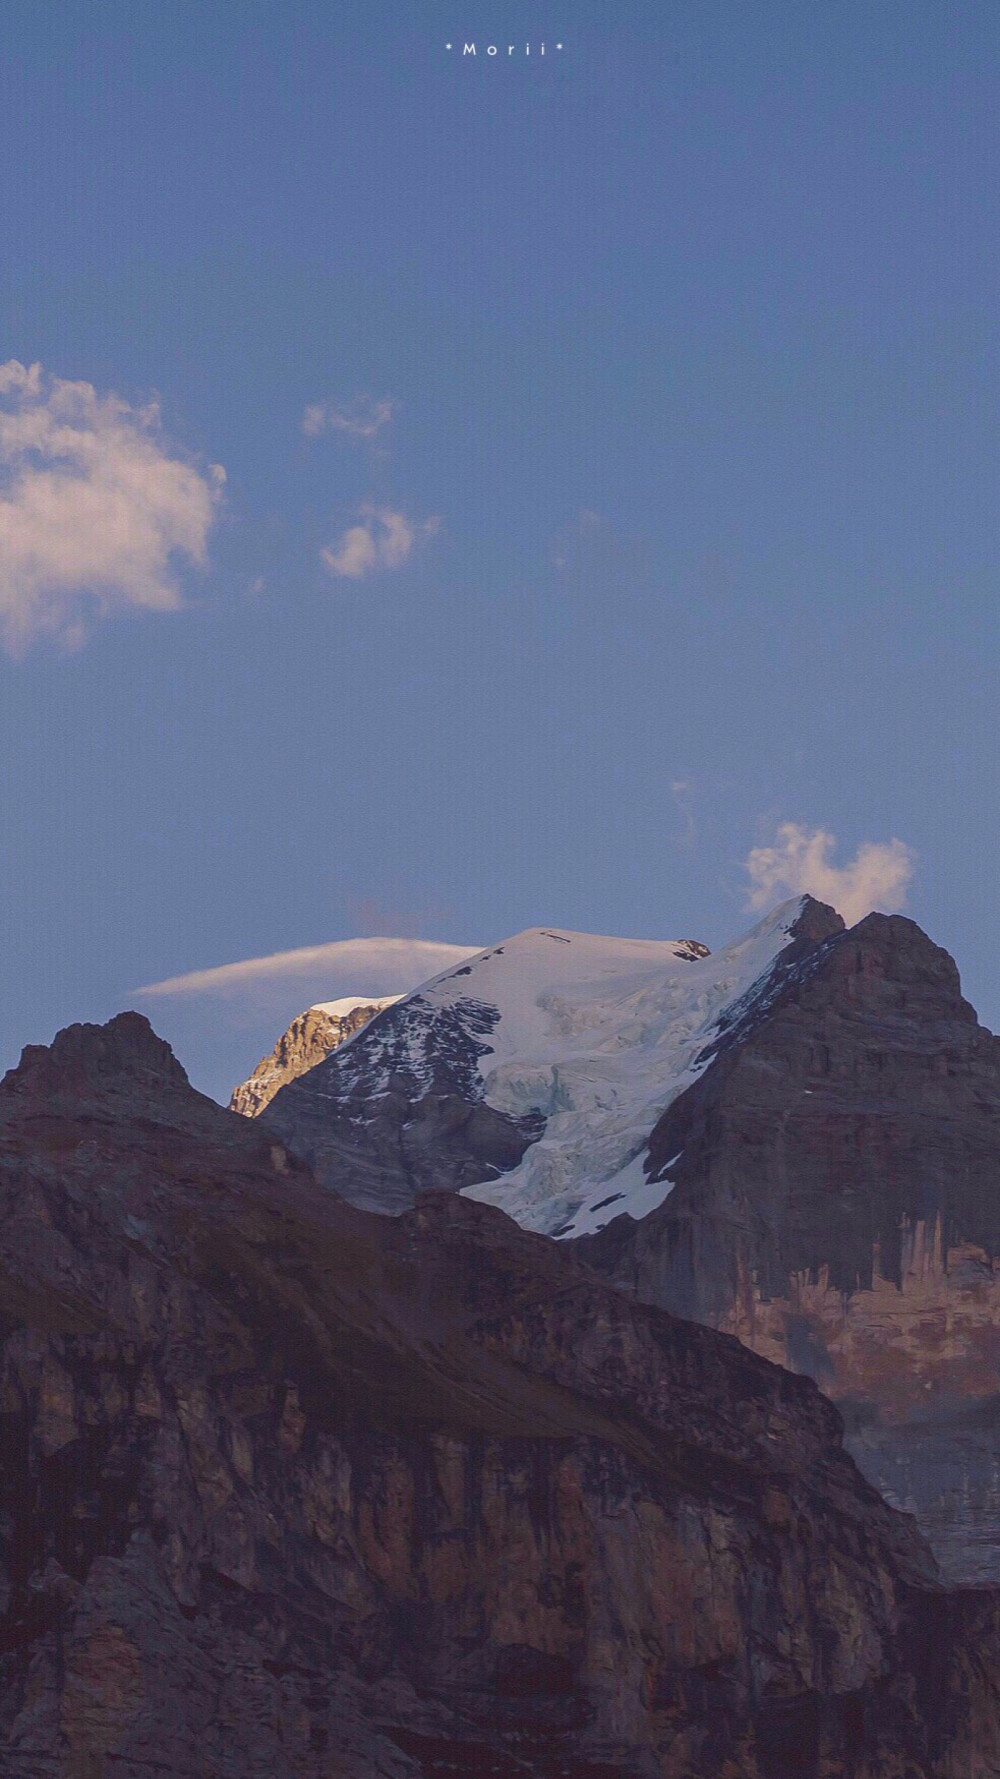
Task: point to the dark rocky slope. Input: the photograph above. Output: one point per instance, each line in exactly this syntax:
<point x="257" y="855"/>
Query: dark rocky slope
<point x="403" y="1111"/>
<point x="291" y="1490"/>
<point x="837" y="1206"/>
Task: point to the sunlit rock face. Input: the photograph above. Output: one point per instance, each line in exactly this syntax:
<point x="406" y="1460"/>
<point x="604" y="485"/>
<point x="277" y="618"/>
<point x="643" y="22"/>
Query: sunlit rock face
<point x="311" y="1037"/>
<point x="293" y="1491"/>
<point x="836" y="1204"/>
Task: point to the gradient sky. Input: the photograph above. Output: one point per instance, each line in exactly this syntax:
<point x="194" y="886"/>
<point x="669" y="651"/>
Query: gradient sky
<point x="680" y="502"/>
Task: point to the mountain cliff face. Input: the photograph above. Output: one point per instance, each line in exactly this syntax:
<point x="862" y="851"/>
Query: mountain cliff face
<point x="289" y="1489"/>
<point x="836" y="1203"/>
<point x="310" y="1037"/>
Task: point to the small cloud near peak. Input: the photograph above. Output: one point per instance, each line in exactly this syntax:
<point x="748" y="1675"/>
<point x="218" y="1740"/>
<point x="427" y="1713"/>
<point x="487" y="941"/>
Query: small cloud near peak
<point x="799" y="863"/>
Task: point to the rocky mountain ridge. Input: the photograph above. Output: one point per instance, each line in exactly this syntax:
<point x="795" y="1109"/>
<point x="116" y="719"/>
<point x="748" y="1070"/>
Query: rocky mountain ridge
<point x="291" y="1489"/>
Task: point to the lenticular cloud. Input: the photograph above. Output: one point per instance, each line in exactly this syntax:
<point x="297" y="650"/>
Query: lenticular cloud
<point x="96" y="511"/>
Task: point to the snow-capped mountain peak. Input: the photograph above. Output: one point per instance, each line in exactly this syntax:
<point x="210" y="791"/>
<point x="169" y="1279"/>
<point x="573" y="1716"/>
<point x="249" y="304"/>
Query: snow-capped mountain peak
<point x="531" y="1074"/>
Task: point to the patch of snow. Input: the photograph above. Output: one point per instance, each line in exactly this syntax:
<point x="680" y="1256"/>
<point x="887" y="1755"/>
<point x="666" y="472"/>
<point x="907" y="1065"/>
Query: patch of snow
<point x="627" y="1192"/>
<point x="340" y="1009"/>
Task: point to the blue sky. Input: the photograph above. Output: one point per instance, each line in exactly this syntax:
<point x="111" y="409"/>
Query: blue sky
<point x="654" y="460"/>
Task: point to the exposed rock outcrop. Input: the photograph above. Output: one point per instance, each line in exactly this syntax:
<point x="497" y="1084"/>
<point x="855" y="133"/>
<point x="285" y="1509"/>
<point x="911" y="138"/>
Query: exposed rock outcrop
<point x="288" y="1489"/>
<point x="313" y="1035"/>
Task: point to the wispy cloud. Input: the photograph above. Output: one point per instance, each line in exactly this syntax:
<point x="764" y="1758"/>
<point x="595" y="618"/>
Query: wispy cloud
<point x="320" y="972"/>
<point x="362" y="418"/>
<point x="798" y="863"/>
<point x="96" y="509"/>
<point x="382" y="539"/>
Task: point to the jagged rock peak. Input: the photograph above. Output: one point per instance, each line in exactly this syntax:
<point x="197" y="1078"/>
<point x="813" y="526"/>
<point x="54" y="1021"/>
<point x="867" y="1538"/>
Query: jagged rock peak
<point x="312" y="1035"/>
<point x="83" y="1057"/>
<point x="816" y="921"/>
<point x="893" y="948"/>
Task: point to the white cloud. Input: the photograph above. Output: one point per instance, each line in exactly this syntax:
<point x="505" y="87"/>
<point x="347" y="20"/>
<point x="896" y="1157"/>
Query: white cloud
<point x="362" y="418"/>
<point x="799" y="864"/>
<point x="320" y="972"/>
<point x="382" y="540"/>
<point x="95" y="510"/>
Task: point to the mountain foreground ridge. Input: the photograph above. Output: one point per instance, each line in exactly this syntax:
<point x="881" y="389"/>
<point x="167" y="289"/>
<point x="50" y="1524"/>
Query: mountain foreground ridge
<point x="289" y="1488"/>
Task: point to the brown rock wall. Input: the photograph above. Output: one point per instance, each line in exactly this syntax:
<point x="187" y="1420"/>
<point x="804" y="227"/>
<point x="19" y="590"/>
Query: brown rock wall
<point x="838" y="1208"/>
